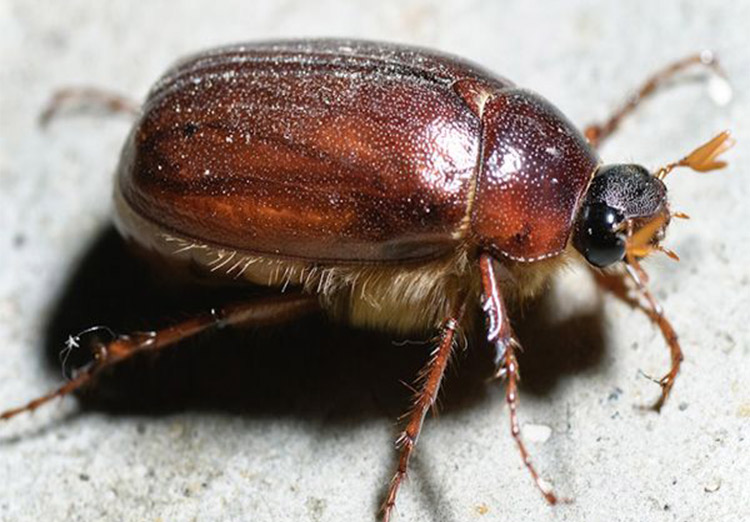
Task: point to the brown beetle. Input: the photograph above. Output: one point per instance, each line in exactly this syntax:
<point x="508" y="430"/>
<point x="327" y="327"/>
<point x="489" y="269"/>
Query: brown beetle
<point x="393" y="187"/>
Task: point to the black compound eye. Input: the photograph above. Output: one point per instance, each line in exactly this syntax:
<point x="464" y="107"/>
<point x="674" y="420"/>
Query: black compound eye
<point x="596" y="236"/>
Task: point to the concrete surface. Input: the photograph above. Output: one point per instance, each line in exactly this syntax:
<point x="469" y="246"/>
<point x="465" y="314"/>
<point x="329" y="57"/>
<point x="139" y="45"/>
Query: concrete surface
<point x="299" y="424"/>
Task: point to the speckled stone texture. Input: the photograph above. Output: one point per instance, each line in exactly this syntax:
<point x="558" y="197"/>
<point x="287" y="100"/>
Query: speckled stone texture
<point x="298" y="424"/>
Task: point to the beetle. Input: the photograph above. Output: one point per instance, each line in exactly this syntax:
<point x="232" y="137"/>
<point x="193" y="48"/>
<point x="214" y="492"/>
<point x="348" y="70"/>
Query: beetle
<point x="392" y="187"/>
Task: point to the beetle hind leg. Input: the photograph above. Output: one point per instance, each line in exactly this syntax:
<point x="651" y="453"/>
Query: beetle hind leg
<point x="88" y="98"/>
<point x="430" y="376"/>
<point x="259" y="312"/>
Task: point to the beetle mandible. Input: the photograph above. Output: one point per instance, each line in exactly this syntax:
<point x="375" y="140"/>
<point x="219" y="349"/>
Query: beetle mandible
<point x="392" y="187"/>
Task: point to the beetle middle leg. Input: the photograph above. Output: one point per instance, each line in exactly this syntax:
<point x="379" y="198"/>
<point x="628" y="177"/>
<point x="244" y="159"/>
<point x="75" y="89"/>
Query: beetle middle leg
<point x="430" y="376"/>
<point x="598" y="132"/>
<point x="260" y="312"/>
<point x="617" y="284"/>
<point x="502" y="337"/>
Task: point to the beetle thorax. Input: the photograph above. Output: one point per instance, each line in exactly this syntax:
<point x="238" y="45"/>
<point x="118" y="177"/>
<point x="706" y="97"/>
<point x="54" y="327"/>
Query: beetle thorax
<point x="534" y="169"/>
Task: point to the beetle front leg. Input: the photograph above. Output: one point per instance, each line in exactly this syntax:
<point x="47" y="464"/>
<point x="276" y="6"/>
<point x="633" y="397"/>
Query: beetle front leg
<point x="430" y="376"/>
<point x="597" y="133"/>
<point x="617" y="285"/>
<point x="260" y="312"/>
<point x="503" y="339"/>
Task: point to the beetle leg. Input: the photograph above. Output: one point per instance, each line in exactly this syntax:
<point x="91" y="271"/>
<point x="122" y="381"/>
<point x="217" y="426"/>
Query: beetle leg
<point x="261" y="312"/>
<point x="88" y="97"/>
<point x="616" y="283"/>
<point x="597" y="133"/>
<point x="501" y="335"/>
<point x="430" y="376"/>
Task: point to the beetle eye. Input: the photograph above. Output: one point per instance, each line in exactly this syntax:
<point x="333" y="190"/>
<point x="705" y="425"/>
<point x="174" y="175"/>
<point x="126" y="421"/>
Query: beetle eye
<point x="597" y="237"/>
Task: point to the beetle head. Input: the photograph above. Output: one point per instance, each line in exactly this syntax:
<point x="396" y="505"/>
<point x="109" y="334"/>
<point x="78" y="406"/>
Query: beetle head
<point x="625" y="211"/>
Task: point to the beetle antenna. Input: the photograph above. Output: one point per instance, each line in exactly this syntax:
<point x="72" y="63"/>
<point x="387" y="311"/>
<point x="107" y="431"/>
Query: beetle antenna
<point x="702" y="159"/>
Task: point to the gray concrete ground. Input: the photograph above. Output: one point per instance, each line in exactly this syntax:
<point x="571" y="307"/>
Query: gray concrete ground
<point x="286" y="427"/>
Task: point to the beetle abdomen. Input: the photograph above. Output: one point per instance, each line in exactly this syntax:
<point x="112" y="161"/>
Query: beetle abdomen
<point x="331" y="151"/>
